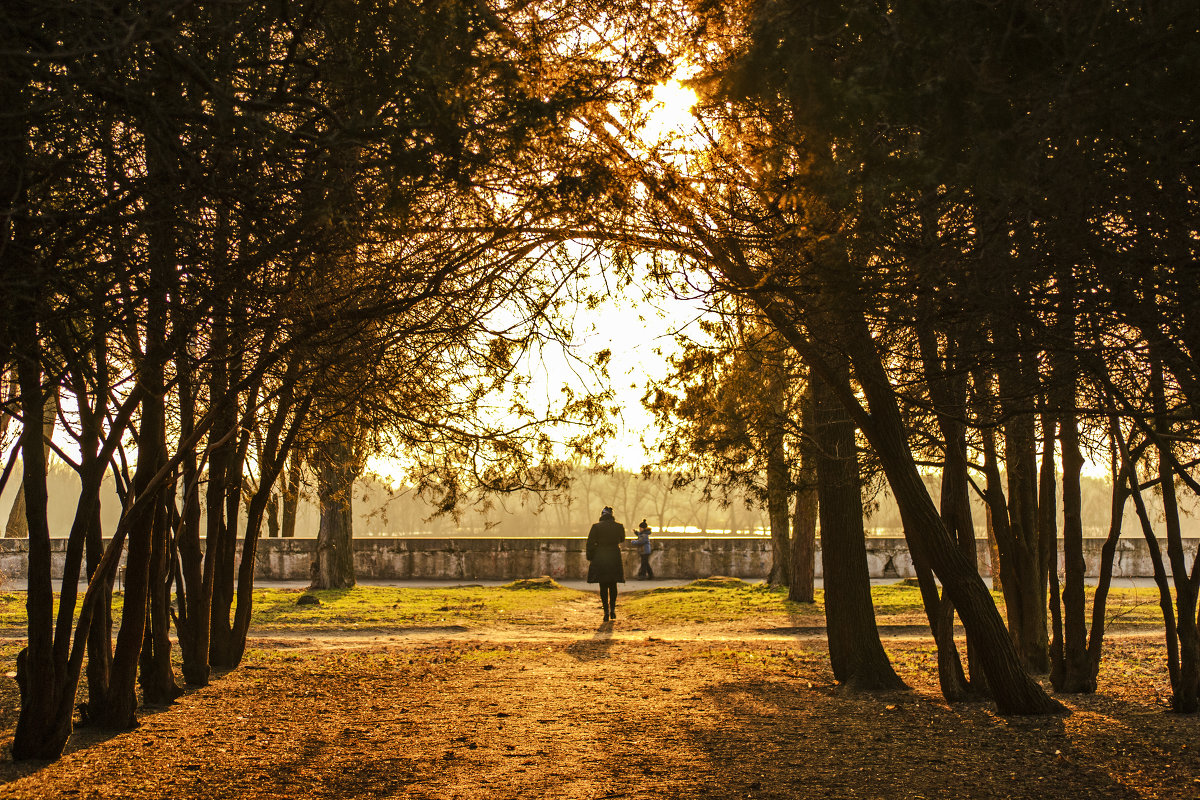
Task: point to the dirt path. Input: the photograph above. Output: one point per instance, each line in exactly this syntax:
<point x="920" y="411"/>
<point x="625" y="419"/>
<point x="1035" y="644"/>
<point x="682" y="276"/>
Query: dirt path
<point x="582" y="710"/>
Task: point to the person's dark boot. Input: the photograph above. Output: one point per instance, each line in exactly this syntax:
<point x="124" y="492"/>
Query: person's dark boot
<point x="606" y="612"/>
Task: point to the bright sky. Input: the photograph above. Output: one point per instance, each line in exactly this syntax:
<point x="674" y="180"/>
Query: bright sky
<point x="639" y="334"/>
<point x="638" y="322"/>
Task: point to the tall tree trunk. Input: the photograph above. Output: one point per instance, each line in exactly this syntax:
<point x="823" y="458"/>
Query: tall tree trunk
<point x="91" y="478"/>
<point x="220" y="464"/>
<point x="1076" y="675"/>
<point x="156" y="676"/>
<point x="41" y="731"/>
<point x="333" y="562"/>
<point x="948" y="392"/>
<point x="1120" y="494"/>
<point x="1014" y="691"/>
<point x="271" y="460"/>
<point x="940" y="613"/>
<point x="191" y="623"/>
<point x="99" y="640"/>
<point x="273" y="516"/>
<point x="1186" y="695"/>
<point x="222" y="644"/>
<point x="1048" y="520"/>
<point x="120" y="705"/>
<point x="96" y="620"/>
<point x="778" y="485"/>
<point x="855" y="651"/>
<point x="1015" y="517"/>
<point x="1165" y="602"/>
<point x="1027" y="610"/>
<point x="804" y="519"/>
<point x="291" y="497"/>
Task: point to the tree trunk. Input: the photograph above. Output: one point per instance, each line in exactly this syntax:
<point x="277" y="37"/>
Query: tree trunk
<point x="222" y="644"/>
<point x="1076" y="675"/>
<point x="802" y="589"/>
<point x="18" y="525"/>
<point x="1048" y="522"/>
<point x="91" y="478"/>
<point x="291" y="497"/>
<point x="1186" y="695"/>
<point x="940" y="613"/>
<point x="191" y="623"/>
<point x="1165" y="603"/>
<point x="333" y="563"/>
<point x="96" y="621"/>
<point x="271" y="461"/>
<point x="120" y="705"/>
<point x="1014" y="691"/>
<point x="156" y="676"/>
<point x="99" y="641"/>
<point x="273" y="516"/>
<point x="804" y="520"/>
<point x="1027" y="610"/>
<point x="777" y="494"/>
<point x="41" y="730"/>
<point x="948" y="392"/>
<point x="1120" y="494"/>
<point x="993" y="551"/>
<point x="245" y="587"/>
<point x="857" y="656"/>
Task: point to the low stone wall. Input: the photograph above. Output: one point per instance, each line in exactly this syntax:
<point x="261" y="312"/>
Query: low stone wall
<point x="509" y="559"/>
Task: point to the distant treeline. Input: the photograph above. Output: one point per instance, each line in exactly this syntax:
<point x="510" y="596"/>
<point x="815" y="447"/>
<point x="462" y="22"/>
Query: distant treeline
<point x="383" y="511"/>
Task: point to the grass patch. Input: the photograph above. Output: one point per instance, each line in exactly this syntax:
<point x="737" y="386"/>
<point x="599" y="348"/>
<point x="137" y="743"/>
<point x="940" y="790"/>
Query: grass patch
<point x="387" y="606"/>
<point x="13" y="615"/>
<point x="1129" y="605"/>
<point x="712" y="600"/>
<point x="530" y="601"/>
<point x="12" y="609"/>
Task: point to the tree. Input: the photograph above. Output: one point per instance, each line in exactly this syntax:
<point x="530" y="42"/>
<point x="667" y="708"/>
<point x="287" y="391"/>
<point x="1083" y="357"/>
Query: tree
<point x="199" y="219"/>
<point x="723" y="426"/>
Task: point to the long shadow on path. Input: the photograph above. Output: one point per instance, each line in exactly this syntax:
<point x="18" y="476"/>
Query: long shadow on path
<point x="595" y="648"/>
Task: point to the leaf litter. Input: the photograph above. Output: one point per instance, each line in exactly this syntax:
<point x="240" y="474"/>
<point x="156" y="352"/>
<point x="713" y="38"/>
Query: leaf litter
<point x="634" y="709"/>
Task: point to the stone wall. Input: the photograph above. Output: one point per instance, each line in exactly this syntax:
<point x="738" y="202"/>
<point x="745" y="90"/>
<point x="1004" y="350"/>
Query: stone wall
<point x="472" y="559"/>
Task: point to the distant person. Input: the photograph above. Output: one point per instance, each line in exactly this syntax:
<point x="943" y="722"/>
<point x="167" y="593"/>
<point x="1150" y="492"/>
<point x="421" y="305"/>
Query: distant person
<point x="604" y="553"/>
<point x="643" y="548"/>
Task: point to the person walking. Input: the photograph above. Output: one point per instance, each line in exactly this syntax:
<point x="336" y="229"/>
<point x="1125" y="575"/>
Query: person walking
<point x="604" y="554"/>
<point x="643" y="548"/>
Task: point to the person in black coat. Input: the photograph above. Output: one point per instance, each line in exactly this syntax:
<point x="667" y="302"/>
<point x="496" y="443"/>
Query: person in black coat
<point x="604" y="553"/>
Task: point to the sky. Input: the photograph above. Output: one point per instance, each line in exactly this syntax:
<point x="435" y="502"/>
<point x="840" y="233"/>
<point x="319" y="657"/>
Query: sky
<point x="635" y="324"/>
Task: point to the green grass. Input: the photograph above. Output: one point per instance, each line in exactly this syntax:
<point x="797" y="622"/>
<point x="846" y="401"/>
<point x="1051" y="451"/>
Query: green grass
<point x="710" y="600"/>
<point x="387" y="606"/>
<point x="12" y="607"/>
<point x="1137" y="605"/>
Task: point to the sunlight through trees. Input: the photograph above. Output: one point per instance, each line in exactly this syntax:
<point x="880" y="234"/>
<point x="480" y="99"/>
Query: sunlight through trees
<point x="241" y="241"/>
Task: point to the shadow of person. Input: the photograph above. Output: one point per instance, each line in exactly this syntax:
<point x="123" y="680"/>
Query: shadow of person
<point x="595" y="648"/>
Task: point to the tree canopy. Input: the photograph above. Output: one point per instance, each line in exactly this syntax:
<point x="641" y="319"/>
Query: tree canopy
<point x="235" y="237"/>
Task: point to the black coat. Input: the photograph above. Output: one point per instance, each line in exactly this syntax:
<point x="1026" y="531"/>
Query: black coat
<point x="604" y="551"/>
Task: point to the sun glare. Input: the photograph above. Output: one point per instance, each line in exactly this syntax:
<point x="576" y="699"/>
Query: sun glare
<point x="669" y="113"/>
